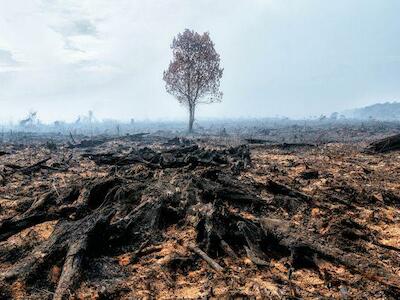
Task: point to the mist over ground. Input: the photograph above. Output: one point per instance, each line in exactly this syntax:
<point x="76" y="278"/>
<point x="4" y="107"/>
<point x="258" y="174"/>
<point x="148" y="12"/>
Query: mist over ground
<point x="281" y="58"/>
<point x="117" y="181"/>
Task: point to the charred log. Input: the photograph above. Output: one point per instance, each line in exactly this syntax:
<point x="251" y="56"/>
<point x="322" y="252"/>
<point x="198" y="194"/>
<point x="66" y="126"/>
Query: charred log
<point x="391" y="143"/>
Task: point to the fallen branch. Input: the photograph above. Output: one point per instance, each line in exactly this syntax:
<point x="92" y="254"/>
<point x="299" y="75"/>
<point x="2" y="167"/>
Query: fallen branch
<point x="228" y="250"/>
<point x="304" y="246"/>
<point x="29" y="169"/>
<point x="208" y="259"/>
<point x="4" y="153"/>
<point x="279" y="188"/>
<point x="70" y="271"/>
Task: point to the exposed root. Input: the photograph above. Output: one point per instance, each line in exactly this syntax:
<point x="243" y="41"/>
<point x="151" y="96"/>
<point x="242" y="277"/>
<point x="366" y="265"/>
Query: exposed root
<point x="304" y="248"/>
<point x="208" y="259"/>
<point x="130" y="211"/>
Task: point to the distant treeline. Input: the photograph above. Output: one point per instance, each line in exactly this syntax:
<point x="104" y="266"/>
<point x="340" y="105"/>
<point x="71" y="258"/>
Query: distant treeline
<point x="389" y="111"/>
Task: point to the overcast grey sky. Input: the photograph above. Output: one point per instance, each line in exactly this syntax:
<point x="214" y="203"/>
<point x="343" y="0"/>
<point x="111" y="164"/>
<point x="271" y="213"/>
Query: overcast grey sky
<point x="281" y="57"/>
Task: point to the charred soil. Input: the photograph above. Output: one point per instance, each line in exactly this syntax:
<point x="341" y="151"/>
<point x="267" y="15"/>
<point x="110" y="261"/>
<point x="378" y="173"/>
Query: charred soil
<point x="150" y="217"/>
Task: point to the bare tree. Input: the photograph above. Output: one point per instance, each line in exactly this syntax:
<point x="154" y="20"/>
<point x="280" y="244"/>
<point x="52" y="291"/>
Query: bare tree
<point x="194" y="74"/>
<point x="30" y="120"/>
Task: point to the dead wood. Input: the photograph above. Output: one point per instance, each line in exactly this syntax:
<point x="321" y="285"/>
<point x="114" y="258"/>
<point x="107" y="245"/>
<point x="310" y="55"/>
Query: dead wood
<point x="88" y="143"/>
<point x="135" y="136"/>
<point x="291" y="146"/>
<point x="391" y="143"/>
<point x="310" y="174"/>
<point x="70" y="271"/>
<point x="72" y="138"/>
<point x="175" y="158"/>
<point x="253" y="237"/>
<point x="279" y="188"/>
<point x="228" y="250"/>
<point x="208" y="259"/>
<point x="139" y="205"/>
<point x="40" y="211"/>
<point x="305" y="246"/>
<point x="135" y="255"/>
<point x="28" y="169"/>
<point x="257" y="141"/>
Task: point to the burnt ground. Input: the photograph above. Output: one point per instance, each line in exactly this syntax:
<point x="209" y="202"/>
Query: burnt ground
<point x="145" y="216"/>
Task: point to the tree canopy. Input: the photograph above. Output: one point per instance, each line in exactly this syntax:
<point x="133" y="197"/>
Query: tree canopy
<point x="194" y="74"/>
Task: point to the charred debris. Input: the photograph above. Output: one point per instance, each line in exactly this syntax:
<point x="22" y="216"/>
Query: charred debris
<point x="98" y="217"/>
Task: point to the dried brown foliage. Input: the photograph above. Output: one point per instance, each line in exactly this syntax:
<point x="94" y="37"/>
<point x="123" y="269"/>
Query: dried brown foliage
<point x="194" y="74"/>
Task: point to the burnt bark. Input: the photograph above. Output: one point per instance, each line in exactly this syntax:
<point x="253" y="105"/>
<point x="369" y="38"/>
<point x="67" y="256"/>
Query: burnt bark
<point x="129" y="211"/>
<point x="305" y="247"/>
<point x="391" y="143"/>
<point x="191" y="118"/>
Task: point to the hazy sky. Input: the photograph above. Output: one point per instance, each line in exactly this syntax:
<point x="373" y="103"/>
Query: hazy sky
<point x="281" y="57"/>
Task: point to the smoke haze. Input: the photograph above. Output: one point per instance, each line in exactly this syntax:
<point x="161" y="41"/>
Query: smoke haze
<point x="292" y="58"/>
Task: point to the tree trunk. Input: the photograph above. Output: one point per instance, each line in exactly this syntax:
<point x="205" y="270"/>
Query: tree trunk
<point x="191" y="118"/>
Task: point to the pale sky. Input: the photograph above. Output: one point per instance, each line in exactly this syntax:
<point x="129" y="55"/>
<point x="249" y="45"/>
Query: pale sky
<point x="281" y="57"/>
